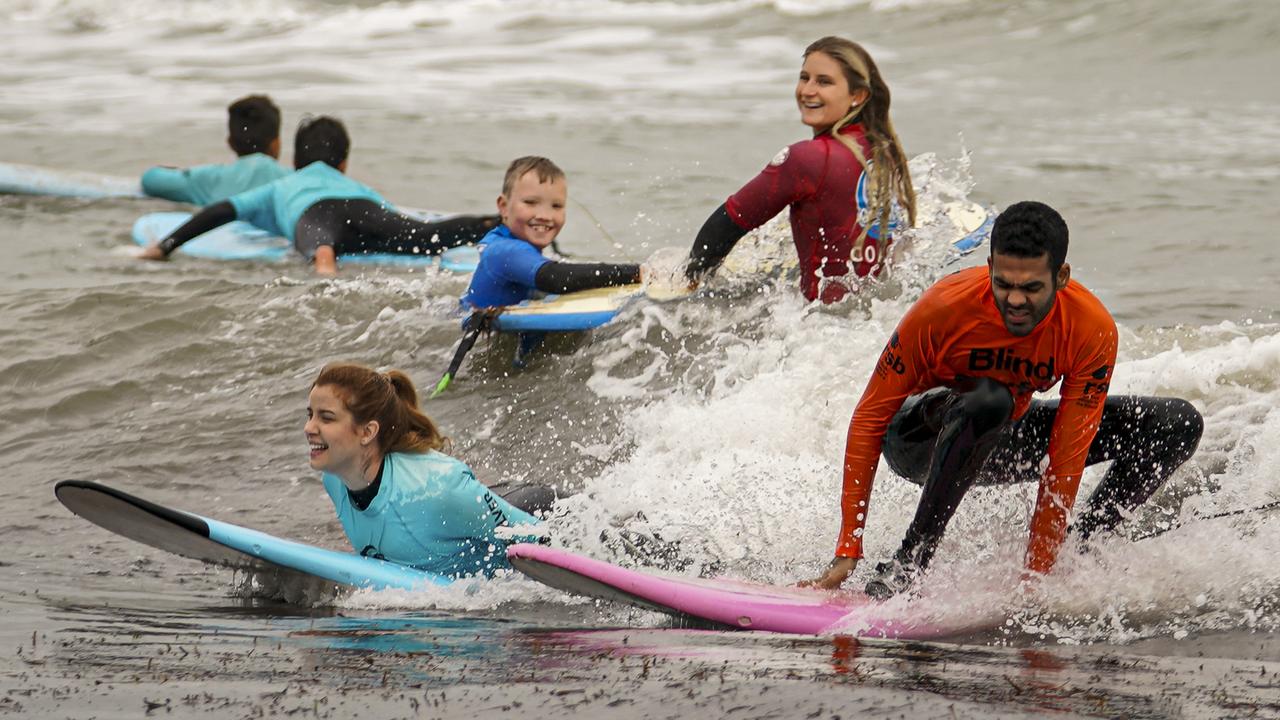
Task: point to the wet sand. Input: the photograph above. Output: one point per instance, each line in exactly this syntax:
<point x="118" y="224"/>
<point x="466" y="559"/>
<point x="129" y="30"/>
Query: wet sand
<point x="267" y="660"/>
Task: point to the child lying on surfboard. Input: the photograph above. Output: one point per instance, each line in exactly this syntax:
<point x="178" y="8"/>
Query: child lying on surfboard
<point x="325" y="213"/>
<point x="398" y="496"/>
<point x="512" y="267"/>
<point x="253" y="133"/>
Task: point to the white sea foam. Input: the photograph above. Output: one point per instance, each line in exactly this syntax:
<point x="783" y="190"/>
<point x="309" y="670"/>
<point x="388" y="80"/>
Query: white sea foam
<point x="739" y="405"/>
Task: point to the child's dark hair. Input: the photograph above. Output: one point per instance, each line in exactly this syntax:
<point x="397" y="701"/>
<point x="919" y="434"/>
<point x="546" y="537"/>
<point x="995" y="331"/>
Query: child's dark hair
<point x="547" y="171"/>
<point x="391" y="399"/>
<point x="1030" y="229"/>
<point x="322" y="139"/>
<point x="253" y="123"/>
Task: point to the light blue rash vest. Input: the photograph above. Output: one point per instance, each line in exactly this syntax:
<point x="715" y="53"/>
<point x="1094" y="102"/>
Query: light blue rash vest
<point x="430" y="513"/>
<point x="277" y="207"/>
<point x="208" y="184"/>
<point x="505" y="275"/>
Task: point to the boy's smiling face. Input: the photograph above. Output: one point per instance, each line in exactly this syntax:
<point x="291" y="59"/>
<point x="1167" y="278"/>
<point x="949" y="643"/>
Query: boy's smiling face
<point x="534" y="211"/>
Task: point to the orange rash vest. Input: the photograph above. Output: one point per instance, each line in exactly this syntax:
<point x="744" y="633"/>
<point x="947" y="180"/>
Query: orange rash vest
<point x="955" y="330"/>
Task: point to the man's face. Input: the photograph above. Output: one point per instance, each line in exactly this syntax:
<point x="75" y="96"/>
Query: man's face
<point x="1024" y="289"/>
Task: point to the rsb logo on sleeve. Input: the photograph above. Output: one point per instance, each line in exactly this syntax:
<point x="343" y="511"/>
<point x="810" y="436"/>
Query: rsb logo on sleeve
<point x="1100" y="381"/>
<point x="892" y="358"/>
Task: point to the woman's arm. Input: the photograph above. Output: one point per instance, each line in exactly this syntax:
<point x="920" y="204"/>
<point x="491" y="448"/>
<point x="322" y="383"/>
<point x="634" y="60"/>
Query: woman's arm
<point x="715" y="240"/>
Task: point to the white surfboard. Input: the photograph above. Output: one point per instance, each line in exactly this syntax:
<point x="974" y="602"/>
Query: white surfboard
<point x="18" y="179"/>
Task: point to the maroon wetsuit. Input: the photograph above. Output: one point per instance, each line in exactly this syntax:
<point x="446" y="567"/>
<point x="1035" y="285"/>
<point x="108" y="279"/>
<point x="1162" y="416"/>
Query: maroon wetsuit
<point x="818" y="179"/>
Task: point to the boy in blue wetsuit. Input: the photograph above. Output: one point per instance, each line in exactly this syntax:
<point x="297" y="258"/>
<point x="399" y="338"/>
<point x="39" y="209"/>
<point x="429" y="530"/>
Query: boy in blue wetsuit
<point x="398" y="497"/>
<point x="253" y="132"/>
<point x="327" y="214"/>
<point x="512" y="267"/>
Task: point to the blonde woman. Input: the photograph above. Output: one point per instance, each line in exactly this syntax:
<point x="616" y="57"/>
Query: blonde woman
<point x="843" y="187"/>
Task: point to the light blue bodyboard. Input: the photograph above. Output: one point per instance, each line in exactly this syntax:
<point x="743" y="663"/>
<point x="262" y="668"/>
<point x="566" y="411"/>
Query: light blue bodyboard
<point x="241" y="241"/>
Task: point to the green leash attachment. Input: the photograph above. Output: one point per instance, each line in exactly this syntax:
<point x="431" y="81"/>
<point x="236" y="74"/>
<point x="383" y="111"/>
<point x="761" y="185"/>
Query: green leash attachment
<point x="479" y="321"/>
<point x="440" y="386"/>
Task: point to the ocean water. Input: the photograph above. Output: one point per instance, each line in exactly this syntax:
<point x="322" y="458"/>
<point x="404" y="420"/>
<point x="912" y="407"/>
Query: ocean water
<point x="718" y="421"/>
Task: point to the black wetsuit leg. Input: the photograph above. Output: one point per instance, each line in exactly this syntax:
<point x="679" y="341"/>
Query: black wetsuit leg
<point x="357" y="227"/>
<point x="533" y="499"/>
<point x="1145" y="438"/>
<point x="944" y="441"/>
<point x="941" y="439"/>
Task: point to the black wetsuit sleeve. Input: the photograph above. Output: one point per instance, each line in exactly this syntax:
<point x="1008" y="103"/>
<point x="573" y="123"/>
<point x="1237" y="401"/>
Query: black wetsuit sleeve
<point x="716" y="238"/>
<point x="563" y="277"/>
<point x="215" y="215"/>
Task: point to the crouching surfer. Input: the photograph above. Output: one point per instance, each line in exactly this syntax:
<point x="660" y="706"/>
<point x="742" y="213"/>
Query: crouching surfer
<point x="398" y="496"/>
<point x="950" y="404"/>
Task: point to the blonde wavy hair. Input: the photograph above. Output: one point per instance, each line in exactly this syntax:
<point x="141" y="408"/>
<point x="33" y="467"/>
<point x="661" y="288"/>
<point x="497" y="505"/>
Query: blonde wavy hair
<point x="890" y="178"/>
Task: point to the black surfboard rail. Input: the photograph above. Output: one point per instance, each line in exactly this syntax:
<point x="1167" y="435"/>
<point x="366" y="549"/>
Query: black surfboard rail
<point x="146" y="522"/>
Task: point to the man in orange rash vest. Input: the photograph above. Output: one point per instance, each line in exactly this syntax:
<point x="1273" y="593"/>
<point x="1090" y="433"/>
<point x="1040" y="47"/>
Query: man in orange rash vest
<point x="950" y="404"/>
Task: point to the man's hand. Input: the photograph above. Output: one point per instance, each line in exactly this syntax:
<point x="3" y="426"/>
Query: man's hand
<point x="837" y="572"/>
<point x="152" y="252"/>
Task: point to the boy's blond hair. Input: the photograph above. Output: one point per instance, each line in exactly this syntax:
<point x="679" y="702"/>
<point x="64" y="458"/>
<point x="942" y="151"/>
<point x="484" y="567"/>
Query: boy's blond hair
<point x="547" y="171"/>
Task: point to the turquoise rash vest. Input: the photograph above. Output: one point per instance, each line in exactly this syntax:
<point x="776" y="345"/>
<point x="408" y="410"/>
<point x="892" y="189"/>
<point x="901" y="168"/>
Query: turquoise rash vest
<point x="431" y="513"/>
<point x="278" y="206"/>
<point x="208" y="184"/>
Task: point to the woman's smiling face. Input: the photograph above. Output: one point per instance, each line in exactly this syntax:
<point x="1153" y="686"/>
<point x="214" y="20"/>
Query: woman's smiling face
<point x="338" y="445"/>
<point x="822" y="92"/>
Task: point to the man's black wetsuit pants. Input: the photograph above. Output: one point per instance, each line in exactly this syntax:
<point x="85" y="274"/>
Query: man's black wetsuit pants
<point x="947" y="440"/>
<point x="356" y="227"/>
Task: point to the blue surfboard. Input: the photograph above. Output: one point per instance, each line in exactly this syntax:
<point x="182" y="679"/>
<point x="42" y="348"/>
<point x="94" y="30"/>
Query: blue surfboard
<point x="581" y="310"/>
<point x="17" y="179"/>
<point x="241" y="241"/>
<point x="975" y="221"/>
<point x="228" y="545"/>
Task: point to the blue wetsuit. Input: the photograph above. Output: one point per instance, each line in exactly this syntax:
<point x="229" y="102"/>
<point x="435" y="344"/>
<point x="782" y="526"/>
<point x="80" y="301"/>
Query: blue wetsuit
<point x="508" y="270"/>
<point x="511" y="270"/>
<point x="208" y="184"/>
<point x="430" y="512"/>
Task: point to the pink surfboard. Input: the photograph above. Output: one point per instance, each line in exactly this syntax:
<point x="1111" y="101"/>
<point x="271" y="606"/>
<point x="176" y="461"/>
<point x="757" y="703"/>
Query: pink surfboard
<point x="722" y="603"/>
